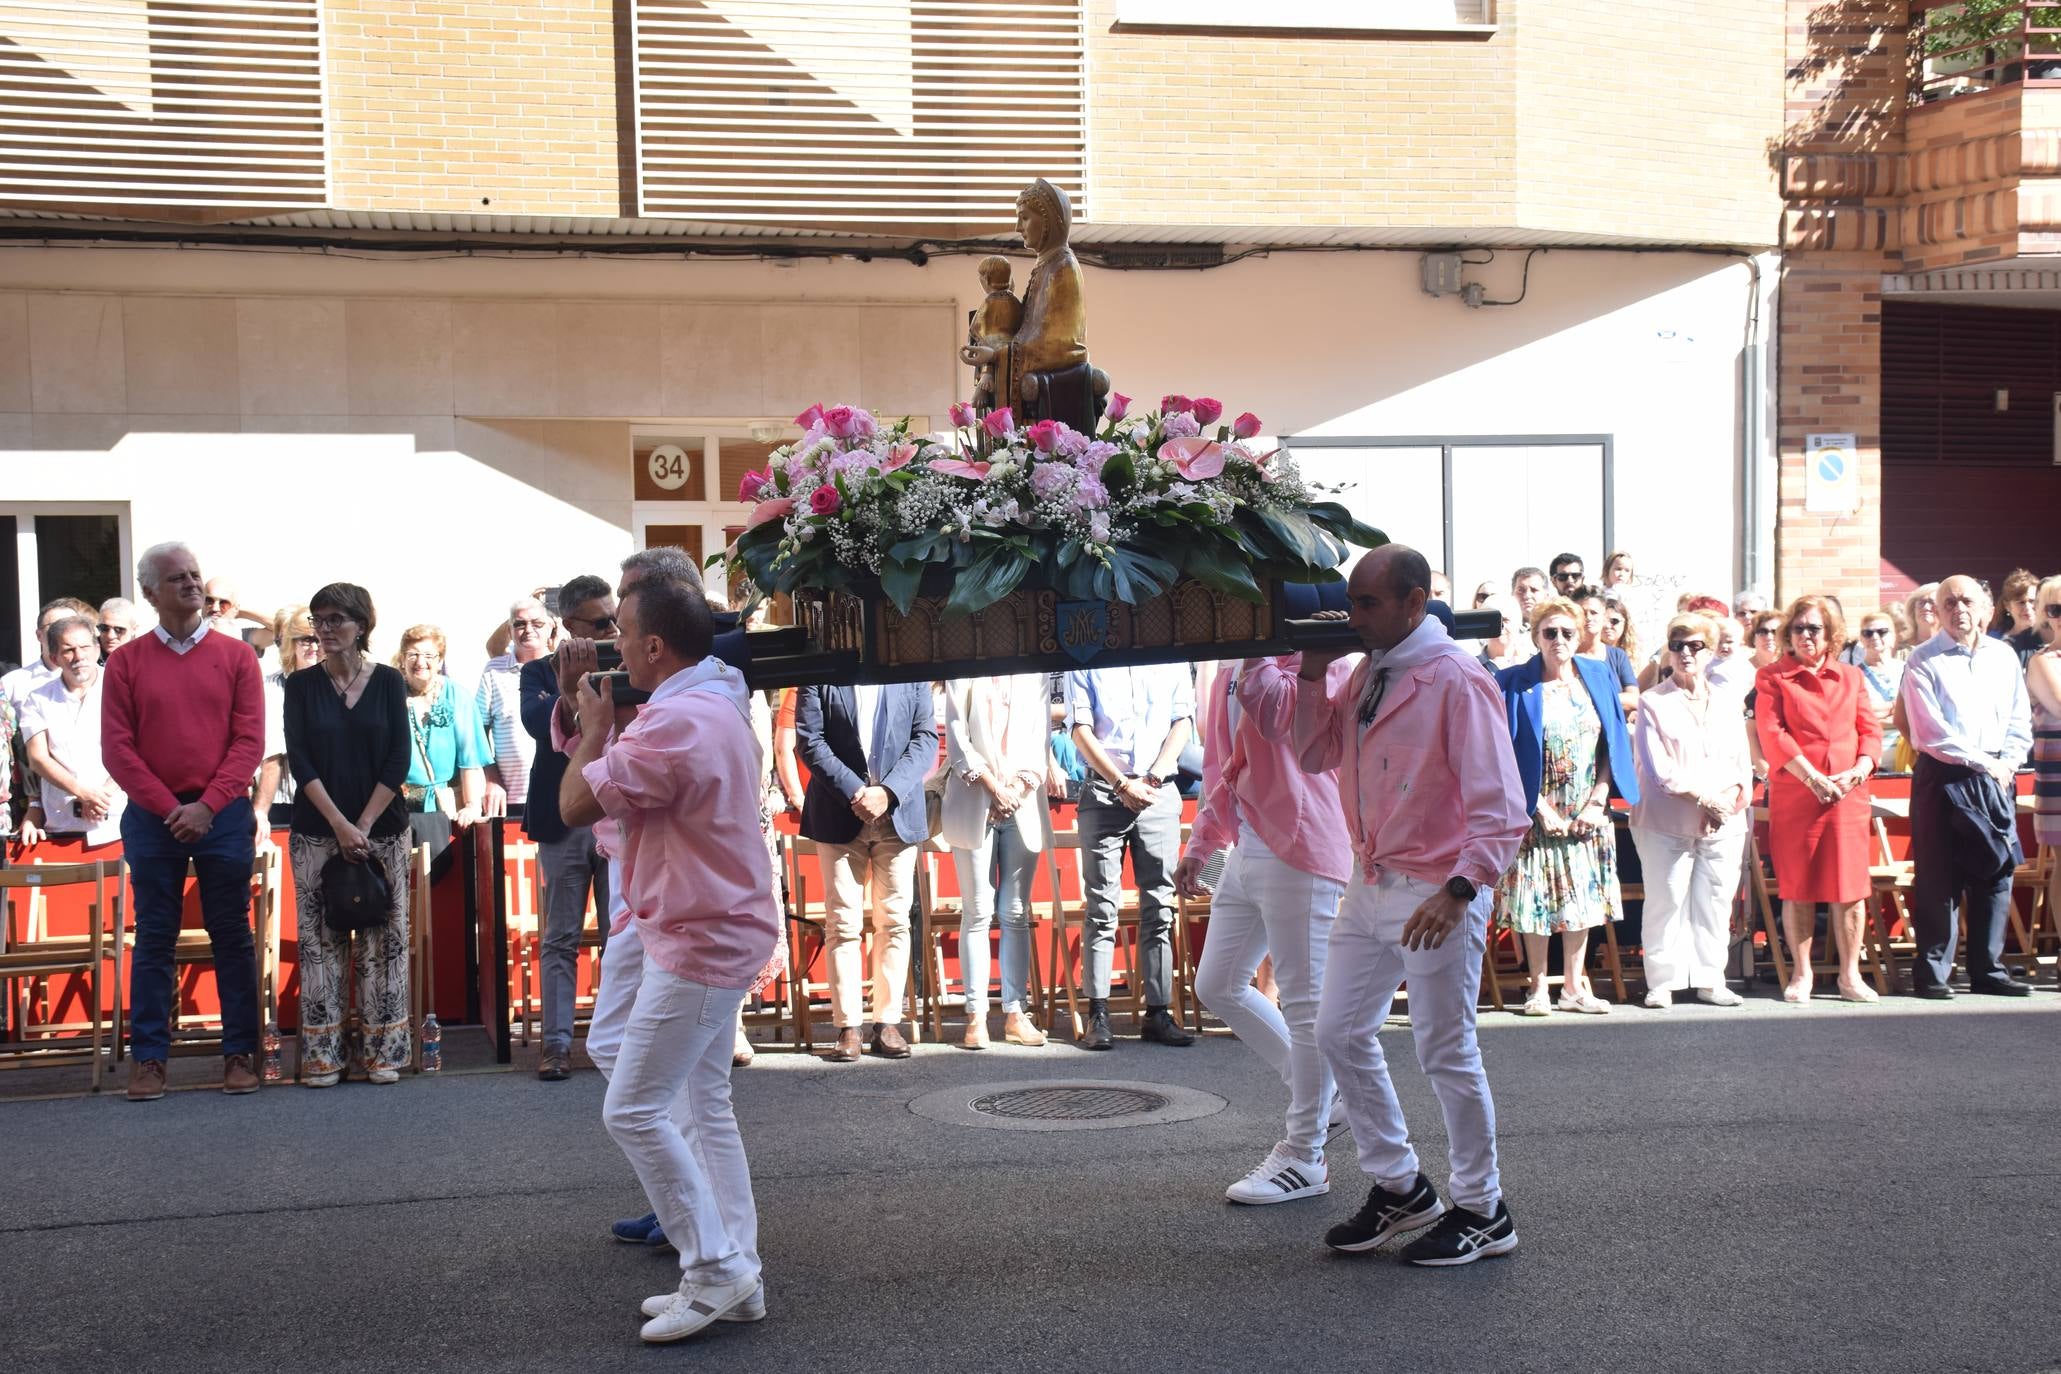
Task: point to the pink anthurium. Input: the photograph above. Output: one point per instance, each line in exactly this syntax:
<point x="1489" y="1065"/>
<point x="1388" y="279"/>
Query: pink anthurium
<point x="959" y="467"/>
<point x="778" y="508"/>
<point x="898" y="456"/>
<point x="1195" y="458"/>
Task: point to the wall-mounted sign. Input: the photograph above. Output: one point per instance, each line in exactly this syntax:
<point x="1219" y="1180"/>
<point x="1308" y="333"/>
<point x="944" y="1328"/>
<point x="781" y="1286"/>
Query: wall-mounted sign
<point x="669" y="467"/>
<point x="1832" y="475"/>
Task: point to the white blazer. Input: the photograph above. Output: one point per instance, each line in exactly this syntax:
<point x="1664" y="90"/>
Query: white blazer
<point x="1004" y="725"/>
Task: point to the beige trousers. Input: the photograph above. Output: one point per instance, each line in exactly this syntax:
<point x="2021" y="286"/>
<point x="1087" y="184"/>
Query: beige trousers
<point x="875" y="873"/>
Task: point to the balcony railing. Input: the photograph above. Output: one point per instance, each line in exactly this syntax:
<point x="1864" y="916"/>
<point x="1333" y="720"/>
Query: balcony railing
<point x="1979" y="45"/>
<point x="182" y="109"/>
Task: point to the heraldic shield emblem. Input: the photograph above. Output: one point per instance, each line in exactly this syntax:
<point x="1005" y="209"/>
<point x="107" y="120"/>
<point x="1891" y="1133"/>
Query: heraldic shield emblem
<point x="1083" y="628"/>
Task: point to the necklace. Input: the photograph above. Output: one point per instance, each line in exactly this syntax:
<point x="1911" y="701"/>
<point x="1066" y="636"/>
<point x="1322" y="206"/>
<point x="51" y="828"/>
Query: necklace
<point x="343" y="690"/>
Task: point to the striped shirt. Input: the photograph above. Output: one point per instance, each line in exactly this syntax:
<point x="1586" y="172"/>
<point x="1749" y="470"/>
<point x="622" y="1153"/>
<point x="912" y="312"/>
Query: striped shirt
<point x="499" y="703"/>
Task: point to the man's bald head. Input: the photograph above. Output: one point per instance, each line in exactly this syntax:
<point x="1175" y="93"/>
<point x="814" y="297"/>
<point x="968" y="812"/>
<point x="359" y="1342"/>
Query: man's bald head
<point x="1964" y="606"/>
<point x="1387" y="592"/>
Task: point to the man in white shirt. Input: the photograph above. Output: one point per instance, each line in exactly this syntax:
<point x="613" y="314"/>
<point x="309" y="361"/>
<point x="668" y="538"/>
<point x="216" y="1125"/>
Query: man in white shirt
<point x="17" y="685"/>
<point x="1964" y="697"/>
<point x="75" y="800"/>
<point x="499" y="702"/>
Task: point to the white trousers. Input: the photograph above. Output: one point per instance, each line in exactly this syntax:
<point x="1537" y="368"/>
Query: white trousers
<point x="1687" y="928"/>
<point x="996" y="872"/>
<point x="668" y="1108"/>
<point x="1367" y="964"/>
<point x="877" y="877"/>
<point x="1264" y="906"/>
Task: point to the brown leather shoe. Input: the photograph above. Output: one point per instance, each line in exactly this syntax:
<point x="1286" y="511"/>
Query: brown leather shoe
<point x="237" y="1077"/>
<point x="888" y="1043"/>
<point x="555" y="1068"/>
<point x="846" y="1050"/>
<point x="147" y="1080"/>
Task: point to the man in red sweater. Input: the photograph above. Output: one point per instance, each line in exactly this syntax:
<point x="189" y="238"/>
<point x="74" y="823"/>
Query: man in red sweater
<point x="182" y="726"/>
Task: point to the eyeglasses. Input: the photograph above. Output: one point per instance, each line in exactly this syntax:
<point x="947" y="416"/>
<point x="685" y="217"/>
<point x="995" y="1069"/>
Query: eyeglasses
<point x="1807" y="631"/>
<point x="2053" y="612"/>
<point x="539" y="626"/>
<point x="1879" y="632"/>
<point x="1953" y="601"/>
<point x="331" y="622"/>
<point x="1764" y="632"/>
<point x="216" y="601"/>
<point x="115" y="631"/>
<point x="1687" y="646"/>
<point x="597" y="621"/>
<point x="429" y="656"/>
<point x="1568" y="575"/>
<point x="306" y="642"/>
<point x="1556" y="632"/>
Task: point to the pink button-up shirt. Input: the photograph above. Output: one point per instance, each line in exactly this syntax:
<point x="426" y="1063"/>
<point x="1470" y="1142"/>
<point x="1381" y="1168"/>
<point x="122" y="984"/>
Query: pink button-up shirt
<point x="1682" y="757"/>
<point x="607" y="834"/>
<point x="1430" y="786"/>
<point x="682" y="782"/>
<point x="1250" y="773"/>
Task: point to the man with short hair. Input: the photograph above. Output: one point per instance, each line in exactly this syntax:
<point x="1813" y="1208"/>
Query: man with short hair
<point x="182" y="728"/>
<point x="17" y="685"/>
<point x="868" y="749"/>
<point x="1568" y="574"/>
<point x="1748" y="604"/>
<point x="1528" y="586"/>
<point x="1436" y="811"/>
<point x="1971" y="724"/>
<point x="681" y="781"/>
<point x="223" y="611"/>
<point x="1442" y="588"/>
<point x="117" y="623"/>
<point x="571" y="858"/>
<point x="1130" y="725"/>
<point x="499" y="704"/>
<point x="77" y="803"/>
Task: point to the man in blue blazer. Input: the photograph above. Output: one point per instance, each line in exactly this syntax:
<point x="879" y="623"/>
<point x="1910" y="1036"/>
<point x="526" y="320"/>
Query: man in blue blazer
<point x="868" y="749"/>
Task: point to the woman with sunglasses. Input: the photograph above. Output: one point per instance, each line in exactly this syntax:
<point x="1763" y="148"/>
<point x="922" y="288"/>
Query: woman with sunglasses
<point x="2043" y="685"/>
<point x="1883" y="671"/>
<point x="1567" y="728"/>
<point x="1695" y="779"/>
<point x="1820" y="736"/>
<point x="1921" y="615"/>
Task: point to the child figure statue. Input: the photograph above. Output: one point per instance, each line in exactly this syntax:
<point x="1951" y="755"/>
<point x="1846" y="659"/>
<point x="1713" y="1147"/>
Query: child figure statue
<point x="994" y="324"/>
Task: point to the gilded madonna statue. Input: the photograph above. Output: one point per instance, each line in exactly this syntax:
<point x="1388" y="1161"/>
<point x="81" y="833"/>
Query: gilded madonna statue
<point x="1042" y="369"/>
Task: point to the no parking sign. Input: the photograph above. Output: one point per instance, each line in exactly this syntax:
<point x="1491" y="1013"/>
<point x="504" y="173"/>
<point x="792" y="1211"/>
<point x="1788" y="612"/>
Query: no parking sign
<point x="1832" y="475"/>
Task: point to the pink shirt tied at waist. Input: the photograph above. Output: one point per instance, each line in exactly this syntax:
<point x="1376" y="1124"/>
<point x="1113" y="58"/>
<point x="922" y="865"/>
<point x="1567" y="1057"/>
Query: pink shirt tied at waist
<point x="1682" y="757"/>
<point x="607" y="834"/>
<point x="1430" y="786"/>
<point x="1250" y="773"/>
<point x="682" y="782"/>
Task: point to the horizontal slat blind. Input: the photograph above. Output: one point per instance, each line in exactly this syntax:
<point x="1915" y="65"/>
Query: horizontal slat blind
<point x="856" y="112"/>
<point x="1942" y="366"/>
<point x="111" y="104"/>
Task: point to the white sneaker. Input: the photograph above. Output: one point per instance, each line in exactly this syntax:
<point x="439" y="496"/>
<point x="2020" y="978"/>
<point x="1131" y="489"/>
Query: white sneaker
<point x="1720" y="997"/>
<point x="696" y="1306"/>
<point x="383" y="1076"/>
<point x="752" y="1309"/>
<point x="1587" y="1003"/>
<point x="1281" y="1177"/>
<point x="1660" y="999"/>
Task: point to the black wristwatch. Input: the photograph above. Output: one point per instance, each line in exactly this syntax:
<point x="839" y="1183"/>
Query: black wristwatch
<point x="1461" y="888"/>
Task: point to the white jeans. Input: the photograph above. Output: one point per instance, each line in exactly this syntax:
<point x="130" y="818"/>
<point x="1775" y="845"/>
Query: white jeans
<point x="668" y="1107"/>
<point x="870" y="876"/>
<point x="1367" y="964"/>
<point x="997" y="871"/>
<point x="1264" y="906"/>
<point x="1687" y="927"/>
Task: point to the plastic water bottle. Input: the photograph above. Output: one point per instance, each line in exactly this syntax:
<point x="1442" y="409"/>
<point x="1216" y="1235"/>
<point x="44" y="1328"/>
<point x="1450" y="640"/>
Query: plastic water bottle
<point x="273" y="1072"/>
<point x="432" y="1044"/>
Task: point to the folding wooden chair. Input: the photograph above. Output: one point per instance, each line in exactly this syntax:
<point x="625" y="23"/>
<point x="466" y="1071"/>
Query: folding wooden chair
<point x="2043" y="922"/>
<point x="1890" y="878"/>
<point x="522" y="884"/>
<point x="190" y="1030"/>
<point x="64" y="956"/>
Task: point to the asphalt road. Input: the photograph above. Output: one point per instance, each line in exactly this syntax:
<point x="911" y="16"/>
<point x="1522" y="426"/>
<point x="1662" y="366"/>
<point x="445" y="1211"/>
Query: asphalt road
<point x="1782" y="1189"/>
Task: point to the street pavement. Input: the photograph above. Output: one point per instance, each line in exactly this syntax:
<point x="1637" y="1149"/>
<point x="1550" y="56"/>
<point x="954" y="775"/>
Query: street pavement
<point x="1785" y="1189"/>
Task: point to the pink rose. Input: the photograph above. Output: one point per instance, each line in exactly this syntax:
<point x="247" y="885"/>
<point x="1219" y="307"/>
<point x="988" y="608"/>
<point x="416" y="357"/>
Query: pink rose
<point x="963" y="415"/>
<point x="777" y="509"/>
<point x="998" y="424"/>
<point x="1045" y="434"/>
<point x="959" y="467"/>
<point x="898" y="456"/>
<point x="840" y="422"/>
<point x="1195" y="458"/>
<point x="824" y="500"/>
<point x="1207" y="410"/>
<point x="750" y="485"/>
<point x="812" y="418"/>
<point x="1245" y="426"/>
<point x="1119" y="406"/>
<point x="1175" y="405"/>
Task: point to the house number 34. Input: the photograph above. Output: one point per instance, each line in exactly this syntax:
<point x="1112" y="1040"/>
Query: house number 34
<point x="668" y="464"/>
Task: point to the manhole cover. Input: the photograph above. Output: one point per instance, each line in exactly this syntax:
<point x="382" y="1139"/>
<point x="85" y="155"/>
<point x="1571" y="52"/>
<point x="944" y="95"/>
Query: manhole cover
<point x="1065" y="1104"/>
<point x="1068" y="1104"/>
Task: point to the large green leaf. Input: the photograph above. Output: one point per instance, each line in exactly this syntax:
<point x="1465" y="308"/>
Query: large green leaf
<point x="988" y="579"/>
<point x="898" y="581"/>
<point x="1295" y="534"/>
<point x="1217" y="565"/>
<point x="1332" y="516"/>
<point x="1139" y="575"/>
<point x="1119" y="474"/>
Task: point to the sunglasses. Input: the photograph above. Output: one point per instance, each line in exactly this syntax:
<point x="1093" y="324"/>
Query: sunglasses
<point x="1556" y="632"/>
<point x="1876" y="633"/>
<point x="1764" y="632"/>
<point x="1808" y="631"/>
<point x="2053" y="612"/>
<point x="216" y="601"/>
<point x="306" y="642"/>
<point x="1687" y="646"/>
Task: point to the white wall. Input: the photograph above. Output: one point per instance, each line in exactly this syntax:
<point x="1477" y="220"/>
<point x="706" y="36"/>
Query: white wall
<point x="301" y="418"/>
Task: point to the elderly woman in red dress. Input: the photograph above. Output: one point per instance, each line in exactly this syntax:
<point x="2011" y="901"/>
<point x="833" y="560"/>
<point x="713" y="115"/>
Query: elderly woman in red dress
<point x="1819" y="734"/>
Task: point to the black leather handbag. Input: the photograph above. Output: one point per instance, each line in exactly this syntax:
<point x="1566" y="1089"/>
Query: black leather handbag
<point x="355" y="896"/>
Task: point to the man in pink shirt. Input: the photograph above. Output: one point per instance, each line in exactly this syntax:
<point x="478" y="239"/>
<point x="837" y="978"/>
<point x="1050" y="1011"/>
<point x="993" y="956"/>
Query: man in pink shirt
<point x="682" y="783"/>
<point x="1290" y="858"/>
<point x="1419" y="737"/>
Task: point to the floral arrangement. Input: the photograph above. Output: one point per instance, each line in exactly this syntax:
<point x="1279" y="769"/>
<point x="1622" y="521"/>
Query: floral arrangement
<point x="1117" y="515"/>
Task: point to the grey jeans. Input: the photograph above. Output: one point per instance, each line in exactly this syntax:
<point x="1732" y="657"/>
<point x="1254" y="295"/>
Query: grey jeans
<point x="571" y="867"/>
<point x="1153" y="837"/>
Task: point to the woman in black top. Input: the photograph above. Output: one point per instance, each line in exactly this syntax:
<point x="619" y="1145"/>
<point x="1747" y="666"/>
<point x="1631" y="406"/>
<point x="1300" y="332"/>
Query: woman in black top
<point x="347" y="744"/>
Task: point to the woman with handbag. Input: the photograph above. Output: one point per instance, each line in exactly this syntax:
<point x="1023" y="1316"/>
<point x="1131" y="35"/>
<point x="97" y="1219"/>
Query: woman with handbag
<point x="998" y="743"/>
<point x="347" y="743"/>
<point x="448" y="752"/>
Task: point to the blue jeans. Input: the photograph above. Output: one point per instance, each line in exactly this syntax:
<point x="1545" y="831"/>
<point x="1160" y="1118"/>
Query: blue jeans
<point x="157" y="877"/>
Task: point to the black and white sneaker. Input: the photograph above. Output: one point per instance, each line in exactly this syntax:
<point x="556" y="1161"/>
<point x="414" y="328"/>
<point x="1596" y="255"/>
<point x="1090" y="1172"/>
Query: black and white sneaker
<point x="1283" y="1176"/>
<point x="1387" y="1214"/>
<point x="1464" y="1237"/>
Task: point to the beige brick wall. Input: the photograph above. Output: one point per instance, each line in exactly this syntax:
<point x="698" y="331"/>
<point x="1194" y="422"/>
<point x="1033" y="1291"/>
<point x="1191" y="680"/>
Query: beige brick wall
<point x="479" y="106"/>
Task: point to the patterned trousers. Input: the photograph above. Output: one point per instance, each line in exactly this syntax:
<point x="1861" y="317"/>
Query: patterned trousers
<point x="381" y="957"/>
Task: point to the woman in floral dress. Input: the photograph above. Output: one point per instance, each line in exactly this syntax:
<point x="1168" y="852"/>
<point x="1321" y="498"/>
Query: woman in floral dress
<point x="1568" y="731"/>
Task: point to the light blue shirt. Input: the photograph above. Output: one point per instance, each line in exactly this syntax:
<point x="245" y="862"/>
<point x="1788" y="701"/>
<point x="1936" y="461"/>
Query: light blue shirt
<point x="1967" y="707"/>
<point x="1132" y="710"/>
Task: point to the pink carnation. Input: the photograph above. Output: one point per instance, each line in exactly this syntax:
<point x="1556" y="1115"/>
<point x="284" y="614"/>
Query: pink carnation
<point x="1207" y="410"/>
<point x="1175" y="405"/>
<point x="1245" y="426"/>
<point x="824" y="500"/>
<point x="1180" y="425"/>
